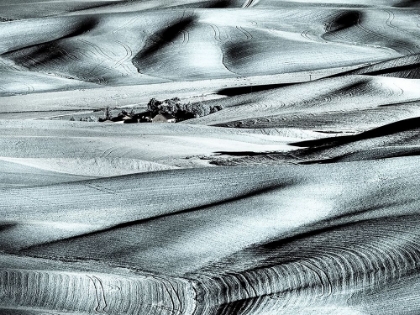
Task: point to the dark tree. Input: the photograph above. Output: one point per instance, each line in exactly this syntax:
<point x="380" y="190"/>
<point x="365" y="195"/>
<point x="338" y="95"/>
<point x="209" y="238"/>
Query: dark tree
<point x="108" y="115"/>
<point x="153" y="106"/>
<point x="181" y="111"/>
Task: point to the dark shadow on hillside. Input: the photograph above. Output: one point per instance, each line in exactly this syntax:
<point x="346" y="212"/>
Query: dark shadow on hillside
<point x="43" y="54"/>
<point x="213" y="4"/>
<point x="89" y="6"/>
<point x="252" y="193"/>
<point x="7" y="226"/>
<point x="409" y="71"/>
<point x="319" y="234"/>
<point x="390" y="129"/>
<point x="250" y="89"/>
<point x="313" y="151"/>
<point x="163" y="38"/>
<point x="221" y="4"/>
<point x="316" y="235"/>
<point x="83" y="26"/>
<point x="243" y="153"/>
<point x="408" y="4"/>
<point x="344" y="20"/>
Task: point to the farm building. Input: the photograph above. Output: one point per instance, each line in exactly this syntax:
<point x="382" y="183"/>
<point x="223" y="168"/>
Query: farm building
<point x="163" y="118"/>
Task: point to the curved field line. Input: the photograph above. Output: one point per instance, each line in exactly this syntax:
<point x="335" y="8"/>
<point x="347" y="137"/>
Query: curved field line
<point x="98" y="51"/>
<point x="304" y="34"/>
<point x="391" y="17"/>
<point x="129" y="22"/>
<point x="367" y="31"/>
<point x="128" y="55"/>
<point x="96" y="48"/>
<point x="245" y="32"/>
<point x="186" y="37"/>
<point x="30" y="88"/>
<point x="216" y="32"/>
<point x="373" y="33"/>
<point x="399" y="88"/>
<point x="249" y="3"/>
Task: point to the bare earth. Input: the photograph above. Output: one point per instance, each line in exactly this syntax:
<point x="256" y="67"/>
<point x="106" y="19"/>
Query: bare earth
<point x="300" y="196"/>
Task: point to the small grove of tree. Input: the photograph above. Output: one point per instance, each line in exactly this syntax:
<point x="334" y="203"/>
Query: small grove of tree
<point x="107" y="115"/>
<point x="174" y="106"/>
<point x="181" y="111"/>
<point x="87" y="119"/>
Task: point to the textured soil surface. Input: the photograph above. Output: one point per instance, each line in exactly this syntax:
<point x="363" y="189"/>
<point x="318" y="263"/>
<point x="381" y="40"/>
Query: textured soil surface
<point x="300" y="196"/>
